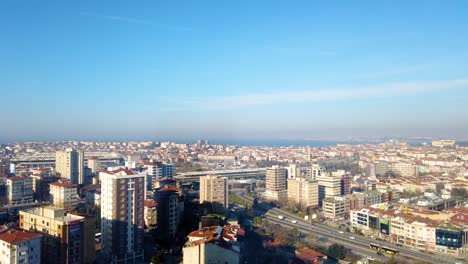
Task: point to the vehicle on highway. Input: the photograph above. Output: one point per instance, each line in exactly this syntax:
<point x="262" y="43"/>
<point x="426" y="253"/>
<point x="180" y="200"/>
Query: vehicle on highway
<point x="294" y="221"/>
<point x="351" y="237"/>
<point x="280" y="217"/>
<point x="370" y="258"/>
<point x="341" y="232"/>
<point x="383" y="249"/>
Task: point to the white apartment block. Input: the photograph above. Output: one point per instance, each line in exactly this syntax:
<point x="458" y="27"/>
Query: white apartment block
<point x="64" y="194"/>
<point x="20" y="247"/>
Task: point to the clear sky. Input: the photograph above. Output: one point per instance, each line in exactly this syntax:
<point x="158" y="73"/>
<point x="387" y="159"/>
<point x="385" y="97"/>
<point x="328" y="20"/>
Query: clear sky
<point x="232" y="69"/>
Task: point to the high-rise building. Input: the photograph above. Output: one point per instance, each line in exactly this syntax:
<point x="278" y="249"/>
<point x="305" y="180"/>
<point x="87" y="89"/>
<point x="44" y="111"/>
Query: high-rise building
<point x="70" y="164"/>
<point x="20" y="190"/>
<point x="169" y="210"/>
<point x="20" y="247"/>
<point x="94" y="164"/>
<point x="276" y="183"/>
<point x="168" y="170"/>
<point x="156" y="170"/>
<point x="329" y="185"/>
<point x="63" y="236"/>
<point x="122" y="224"/>
<point x="303" y="192"/>
<point x="214" y="189"/>
<point x="64" y="195"/>
<point x="293" y="171"/>
<point x="314" y="171"/>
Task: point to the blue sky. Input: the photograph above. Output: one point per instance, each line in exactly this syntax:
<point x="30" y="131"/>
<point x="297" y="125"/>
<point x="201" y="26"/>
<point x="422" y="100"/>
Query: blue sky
<point x="232" y="69"/>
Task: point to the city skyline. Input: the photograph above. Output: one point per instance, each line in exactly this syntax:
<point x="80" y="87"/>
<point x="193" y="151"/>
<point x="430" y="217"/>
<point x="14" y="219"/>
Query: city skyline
<point x="263" y="70"/>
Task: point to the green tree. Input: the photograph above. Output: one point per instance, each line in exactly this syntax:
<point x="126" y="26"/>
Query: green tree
<point x="337" y="251"/>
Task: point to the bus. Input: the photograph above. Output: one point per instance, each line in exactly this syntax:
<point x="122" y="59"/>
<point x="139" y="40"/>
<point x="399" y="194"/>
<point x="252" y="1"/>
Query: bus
<point x="389" y="250"/>
<point x="383" y="249"/>
<point x="374" y="246"/>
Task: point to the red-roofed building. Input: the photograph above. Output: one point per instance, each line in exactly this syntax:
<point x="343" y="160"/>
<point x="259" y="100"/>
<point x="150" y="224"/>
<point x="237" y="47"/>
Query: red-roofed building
<point x="213" y="244"/>
<point x="20" y="247"/>
<point x="309" y="256"/>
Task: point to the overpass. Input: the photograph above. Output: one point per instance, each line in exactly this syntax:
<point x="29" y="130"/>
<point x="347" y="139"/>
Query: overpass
<point x="238" y="174"/>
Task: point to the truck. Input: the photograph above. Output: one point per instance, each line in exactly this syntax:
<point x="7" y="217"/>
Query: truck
<point x="280" y="217"/>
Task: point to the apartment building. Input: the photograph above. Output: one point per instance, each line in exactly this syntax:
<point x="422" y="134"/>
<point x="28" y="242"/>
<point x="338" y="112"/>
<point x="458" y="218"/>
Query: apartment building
<point x="276" y="183"/>
<point x="64" y="236"/>
<point x="169" y="210"/>
<point x="424" y="230"/>
<point x="122" y="213"/>
<point x="69" y="164"/>
<point x="314" y="171"/>
<point x="214" y="190"/>
<point x="214" y="244"/>
<point x="64" y="195"/>
<point x="19" y="190"/>
<point x="18" y="247"/>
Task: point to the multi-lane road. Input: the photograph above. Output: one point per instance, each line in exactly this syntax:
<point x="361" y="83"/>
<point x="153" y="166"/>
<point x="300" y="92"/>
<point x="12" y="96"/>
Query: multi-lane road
<point x="359" y="244"/>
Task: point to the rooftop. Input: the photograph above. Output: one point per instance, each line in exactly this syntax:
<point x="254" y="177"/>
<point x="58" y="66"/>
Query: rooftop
<point x="14" y="236"/>
<point x="63" y="184"/>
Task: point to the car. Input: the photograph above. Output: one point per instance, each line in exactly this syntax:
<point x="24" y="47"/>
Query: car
<point x="370" y="258"/>
<point x="380" y="253"/>
<point x="341" y="232"/>
<point x="351" y="237"/>
<point x="294" y="221"/>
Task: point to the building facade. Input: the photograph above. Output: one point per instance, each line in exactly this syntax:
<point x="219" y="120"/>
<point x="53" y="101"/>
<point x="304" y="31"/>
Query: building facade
<point x="64" y="194"/>
<point x="20" y="247"/>
<point x="69" y="164"/>
<point x="303" y="192"/>
<point x="122" y="224"/>
<point x="169" y="211"/>
<point x="214" y="189"/>
<point x="20" y="190"/>
<point x="63" y="236"/>
<point x="276" y="183"/>
<point x="336" y="208"/>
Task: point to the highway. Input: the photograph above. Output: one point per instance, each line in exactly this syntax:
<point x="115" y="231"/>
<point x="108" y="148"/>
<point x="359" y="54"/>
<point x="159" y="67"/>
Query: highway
<point x="360" y="243"/>
<point x="329" y="237"/>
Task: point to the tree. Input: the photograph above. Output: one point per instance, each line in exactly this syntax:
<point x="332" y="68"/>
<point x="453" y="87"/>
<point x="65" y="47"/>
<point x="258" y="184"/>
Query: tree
<point x="337" y="251"/>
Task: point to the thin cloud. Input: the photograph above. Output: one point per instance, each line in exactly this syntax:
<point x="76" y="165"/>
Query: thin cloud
<point x="259" y="99"/>
<point x="132" y="20"/>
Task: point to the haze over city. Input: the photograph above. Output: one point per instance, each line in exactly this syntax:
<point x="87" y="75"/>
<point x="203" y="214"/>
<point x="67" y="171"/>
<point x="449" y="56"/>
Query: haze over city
<point x="105" y="70"/>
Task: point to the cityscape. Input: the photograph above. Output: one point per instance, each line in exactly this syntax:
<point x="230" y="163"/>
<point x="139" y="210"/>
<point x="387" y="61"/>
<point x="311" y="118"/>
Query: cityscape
<point x="234" y="132"/>
<point x="168" y="202"/>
